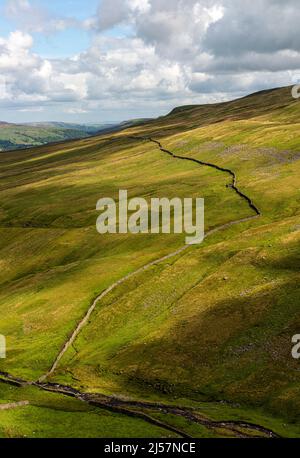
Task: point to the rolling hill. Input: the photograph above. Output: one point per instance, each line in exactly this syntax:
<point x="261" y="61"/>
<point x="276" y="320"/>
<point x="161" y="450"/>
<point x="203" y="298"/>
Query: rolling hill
<point x="24" y="136"/>
<point x="194" y="344"/>
<point x="21" y="136"/>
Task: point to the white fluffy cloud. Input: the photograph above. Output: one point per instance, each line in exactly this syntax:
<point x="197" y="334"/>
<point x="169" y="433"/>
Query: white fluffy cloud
<point x="111" y="69"/>
<point x="27" y="78"/>
<point x="172" y="52"/>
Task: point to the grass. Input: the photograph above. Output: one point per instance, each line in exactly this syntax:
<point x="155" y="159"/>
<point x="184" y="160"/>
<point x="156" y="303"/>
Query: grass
<point x="213" y="324"/>
<point x="54" y="261"/>
<point x="50" y="415"/>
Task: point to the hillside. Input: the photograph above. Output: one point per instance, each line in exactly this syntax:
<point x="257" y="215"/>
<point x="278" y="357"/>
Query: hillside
<point x="200" y="341"/>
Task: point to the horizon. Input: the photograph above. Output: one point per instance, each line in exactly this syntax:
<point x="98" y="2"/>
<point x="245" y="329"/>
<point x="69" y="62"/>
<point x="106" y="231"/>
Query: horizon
<point x="110" y="122"/>
<point x="86" y="62"/>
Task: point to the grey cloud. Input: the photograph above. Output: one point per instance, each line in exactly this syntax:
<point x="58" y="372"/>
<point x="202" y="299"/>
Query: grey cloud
<point x="251" y="62"/>
<point x="228" y="87"/>
<point x="110" y="13"/>
<point x="262" y="26"/>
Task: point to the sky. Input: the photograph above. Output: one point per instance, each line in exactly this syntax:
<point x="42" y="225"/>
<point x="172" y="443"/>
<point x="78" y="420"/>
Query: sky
<point x="112" y="60"/>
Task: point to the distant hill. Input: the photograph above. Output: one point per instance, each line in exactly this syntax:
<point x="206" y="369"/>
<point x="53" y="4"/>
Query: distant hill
<point x="27" y="135"/>
<point x="5" y="124"/>
<point x="20" y="136"/>
<point x="88" y="128"/>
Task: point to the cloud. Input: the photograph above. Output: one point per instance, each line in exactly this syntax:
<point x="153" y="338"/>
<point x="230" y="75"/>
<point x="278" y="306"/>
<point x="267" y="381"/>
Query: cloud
<point x="162" y="53"/>
<point x="208" y="46"/>
<point x="174" y="27"/>
<point x="75" y="110"/>
<point x="177" y="28"/>
<point x="109" y="15"/>
<point x="261" y="26"/>
<point x="111" y="69"/>
<point x="31" y="110"/>
<point x="25" y="76"/>
<point x="35" y="18"/>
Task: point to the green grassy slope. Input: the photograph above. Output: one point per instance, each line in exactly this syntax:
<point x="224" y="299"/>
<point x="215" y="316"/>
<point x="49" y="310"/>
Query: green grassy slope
<point x="214" y="323"/>
<point x="52" y="415"/>
<point x="54" y="261"/>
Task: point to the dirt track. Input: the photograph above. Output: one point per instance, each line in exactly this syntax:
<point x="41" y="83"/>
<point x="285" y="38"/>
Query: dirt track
<point x="13" y="405"/>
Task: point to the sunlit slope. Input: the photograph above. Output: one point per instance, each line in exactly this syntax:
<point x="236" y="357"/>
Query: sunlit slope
<point x="218" y="321"/>
<point x="53" y="262"/>
<point x="214" y="323"/>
